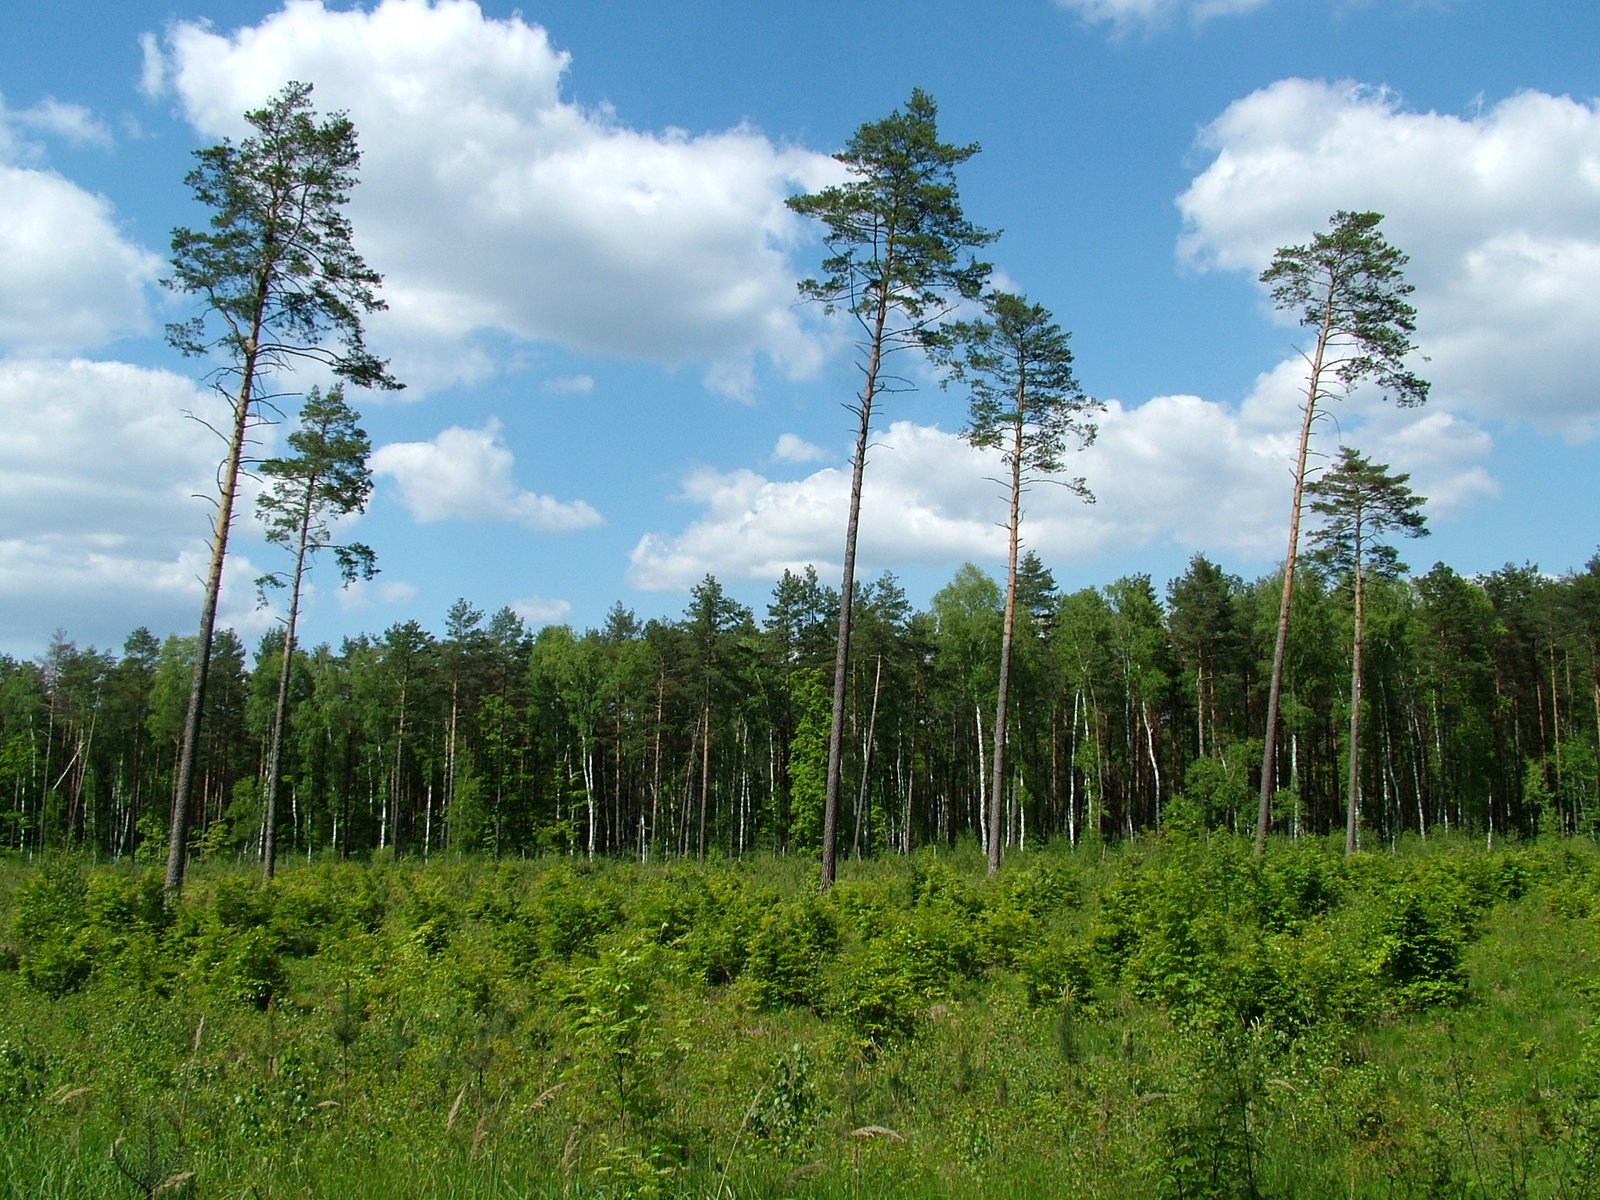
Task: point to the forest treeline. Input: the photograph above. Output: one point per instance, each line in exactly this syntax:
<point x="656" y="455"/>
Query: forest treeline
<point x="707" y="734"/>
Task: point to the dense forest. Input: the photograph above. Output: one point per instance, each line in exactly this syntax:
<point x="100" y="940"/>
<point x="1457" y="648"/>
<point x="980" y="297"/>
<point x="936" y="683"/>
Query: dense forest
<point x="838" y="720"/>
<point x="706" y="735"/>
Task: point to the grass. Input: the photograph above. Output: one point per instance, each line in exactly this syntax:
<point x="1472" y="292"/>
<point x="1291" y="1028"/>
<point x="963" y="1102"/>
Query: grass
<point x="1162" y="1019"/>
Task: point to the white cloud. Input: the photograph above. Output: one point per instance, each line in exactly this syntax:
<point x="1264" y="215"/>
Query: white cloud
<point x="71" y="280"/>
<point x="793" y="448"/>
<point x="546" y="220"/>
<point x="576" y="385"/>
<point x="99" y="473"/>
<point x="363" y="595"/>
<point x="466" y="474"/>
<point x="1500" y="213"/>
<point x="538" y="611"/>
<point x="71" y="122"/>
<point x="1174" y="471"/>
<point x="1126" y="16"/>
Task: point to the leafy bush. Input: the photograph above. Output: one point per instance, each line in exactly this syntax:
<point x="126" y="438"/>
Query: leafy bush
<point x="875" y="995"/>
<point x="51" y="923"/>
<point x="785" y="1110"/>
<point x="570" y="914"/>
<point x="239" y="966"/>
<point x="55" y="899"/>
<point x="1415" y="945"/>
<point x="610" y="1009"/>
<point x="1056" y="968"/>
<point x="61" y="964"/>
<point x="1042" y="889"/>
<point x="787" y="954"/>
<point x="716" y="947"/>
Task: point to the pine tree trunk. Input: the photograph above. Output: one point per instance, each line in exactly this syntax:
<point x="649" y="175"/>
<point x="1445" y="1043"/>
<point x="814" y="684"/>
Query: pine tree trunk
<point x="1275" y="688"/>
<point x="178" y="828"/>
<point x="269" y="839"/>
<point x="1008" y="623"/>
<point x="841" y="658"/>
<point x="1354" y="797"/>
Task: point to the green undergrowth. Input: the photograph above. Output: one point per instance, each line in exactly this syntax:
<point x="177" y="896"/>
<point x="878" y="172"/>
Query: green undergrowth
<point x="1169" y="1018"/>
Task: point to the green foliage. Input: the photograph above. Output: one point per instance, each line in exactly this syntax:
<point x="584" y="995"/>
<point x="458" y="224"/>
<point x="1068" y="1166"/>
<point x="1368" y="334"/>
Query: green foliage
<point x="901" y="193"/>
<point x="808" y="760"/>
<point x="1416" y="945"/>
<point x="1058" y="969"/>
<point x="610" y="1007"/>
<point x="1349" y="284"/>
<point x="50" y="922"/>
<point x="786" y="1108"/>
<point x="716" y="945"/>
<point x="788" y="953"/>
<point x="1211" y="1144"/>
<point x="1171" y="1019"/>
<point x="570" y="914"/>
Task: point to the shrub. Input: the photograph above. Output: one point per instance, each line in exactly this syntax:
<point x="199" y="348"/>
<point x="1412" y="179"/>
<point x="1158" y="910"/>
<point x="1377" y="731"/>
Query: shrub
<point x="716" y="947"/>
<point x="1415" y="946"/>
<point x="787" y="954"/>
<point x="569" y="914"/>
<point x="1057" y="968"/>
<point x="57" y="952"/>
<point x="786" y="1110"/>
<point x="875" y="995"/>
<point x="59" y="965"/>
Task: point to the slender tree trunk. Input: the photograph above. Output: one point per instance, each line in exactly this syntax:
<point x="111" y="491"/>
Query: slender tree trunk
<point x="399" y="766"/>
<point x="983" y="775"/>
<point x="269" y="839"/>
<point x="705" y="777"/>
<point x="841" y="658"/>
<point x="1072" y="773"/>
<point x="178" y="828"/>
<point x="1354" y="798"/>
<point x="1008" y="624"/>
<point x="1275" y="688"/>
<point x="449" y="806"/>
<point x="866" y="756"/>
<point x="586" y="761"/>
<point x="655" y="779"/>
<point x="1150" y="749"/>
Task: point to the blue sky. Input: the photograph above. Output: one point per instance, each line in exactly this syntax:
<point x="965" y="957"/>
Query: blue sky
<point x="578" y="211"/>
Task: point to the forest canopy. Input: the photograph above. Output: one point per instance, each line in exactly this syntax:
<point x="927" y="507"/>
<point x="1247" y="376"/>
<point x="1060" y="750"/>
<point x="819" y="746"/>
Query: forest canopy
<point x="707" y="734"/>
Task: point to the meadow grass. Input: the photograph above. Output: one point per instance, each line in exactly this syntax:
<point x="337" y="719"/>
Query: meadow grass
<point x="1164" y="1018"/>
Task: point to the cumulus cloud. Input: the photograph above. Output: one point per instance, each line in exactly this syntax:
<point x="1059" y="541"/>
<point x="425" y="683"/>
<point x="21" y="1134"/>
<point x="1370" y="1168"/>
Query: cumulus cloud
<point x="97" y="500"/>
<point x="466" y="475"/>
<point x="1126" y="16"/>
<point x="71" y="281"/>
<point x="547" y="220"/>
<point x="793" y="448"/>
<point x="538" y="610"/>
<point x="576" y="385"/>
<point x="363" y="595"/>
<point x="1498" y="211"/>
<point x="71" y="122"/>
<point x="1175" y="471"/>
